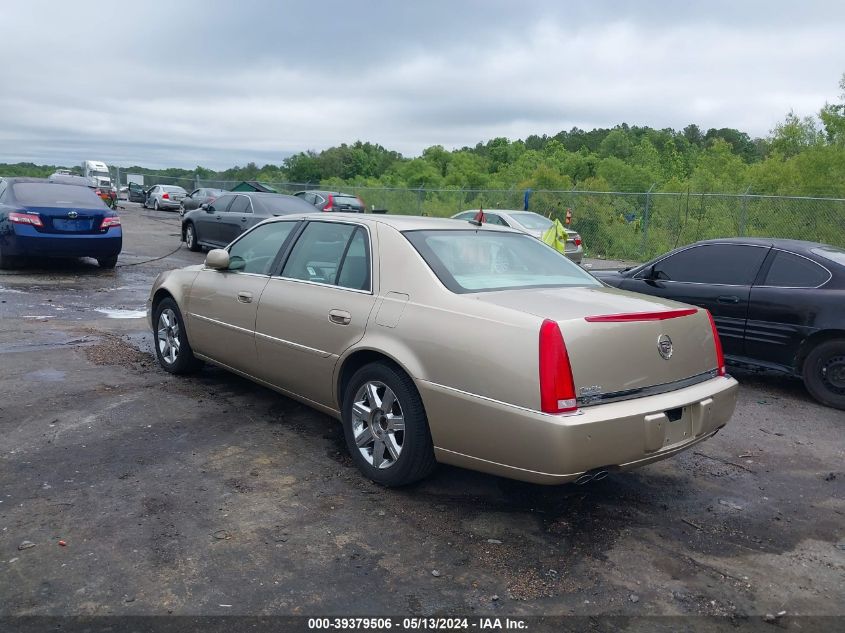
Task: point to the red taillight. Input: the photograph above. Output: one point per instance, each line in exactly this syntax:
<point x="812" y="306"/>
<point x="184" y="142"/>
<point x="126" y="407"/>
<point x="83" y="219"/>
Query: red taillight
<point x="109" y="222"/>
<point x="165" y="196"/>
<point x="577" y="240"/>
<point x="720" y="357"/>
<point x="641" y="316"/>
<point x="557" y="389"/>
<point x="25" y="218"/>
<point x="329" y="204"/>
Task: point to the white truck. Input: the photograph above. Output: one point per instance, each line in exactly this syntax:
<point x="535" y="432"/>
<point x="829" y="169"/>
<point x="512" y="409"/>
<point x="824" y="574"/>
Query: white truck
<point x="97" y="173"/>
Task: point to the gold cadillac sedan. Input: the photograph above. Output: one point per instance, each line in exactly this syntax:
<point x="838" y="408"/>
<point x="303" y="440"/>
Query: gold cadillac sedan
<point x="441" y="341"/>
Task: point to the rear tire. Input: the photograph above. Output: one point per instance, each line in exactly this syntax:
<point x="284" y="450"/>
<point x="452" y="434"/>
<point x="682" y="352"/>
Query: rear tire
<point x="385" y="426"/>
<point x="824" y="373"/>
<point x="173" y="351"/>
<point x="191" y="238"/>
<point x="7" y="261"/>
<point x="107" y="262"/>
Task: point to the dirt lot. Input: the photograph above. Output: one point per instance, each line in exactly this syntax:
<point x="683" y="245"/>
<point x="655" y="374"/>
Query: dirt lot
<point x="210" y="495"/>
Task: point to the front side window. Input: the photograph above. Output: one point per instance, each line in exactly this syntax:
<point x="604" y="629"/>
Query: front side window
<point x="792" y="271"/>
<point x="220" y="204"/>
<point x="240" y="205"/>
<point x="256" y="250"/>
<point x="319" y="255"/>
<point x="480" y="261"/>
<point x="722" y="264"/>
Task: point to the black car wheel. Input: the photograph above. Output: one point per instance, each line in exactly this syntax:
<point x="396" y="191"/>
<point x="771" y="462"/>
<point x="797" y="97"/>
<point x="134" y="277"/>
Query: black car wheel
<point x="191" y="237"/>
<point x="824" y="373"/>
<point x="173" y="351"/>
<point x="155" y="204"/>
<point x="107" y="262"/>
<point x="385" y="426"/>
<point x="7" y="261"/>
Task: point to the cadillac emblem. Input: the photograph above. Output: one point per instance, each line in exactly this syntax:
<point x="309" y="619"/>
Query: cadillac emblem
<point x="664" y="346"/>
<point x="72" y="215"/>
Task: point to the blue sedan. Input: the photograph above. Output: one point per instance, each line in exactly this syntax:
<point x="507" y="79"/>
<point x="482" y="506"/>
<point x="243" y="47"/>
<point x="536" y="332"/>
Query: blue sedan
<point x="48" y="219"/>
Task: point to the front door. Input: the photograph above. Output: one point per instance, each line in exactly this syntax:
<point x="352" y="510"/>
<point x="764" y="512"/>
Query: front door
<point x="236" y="219"/>
<point x="316" y="309"/>
<point x="208" y="221"/>
<point x="223" y="303"/>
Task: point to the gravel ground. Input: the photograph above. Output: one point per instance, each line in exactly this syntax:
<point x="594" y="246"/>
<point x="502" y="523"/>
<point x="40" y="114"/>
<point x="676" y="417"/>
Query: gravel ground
<point x="182" y="495"/>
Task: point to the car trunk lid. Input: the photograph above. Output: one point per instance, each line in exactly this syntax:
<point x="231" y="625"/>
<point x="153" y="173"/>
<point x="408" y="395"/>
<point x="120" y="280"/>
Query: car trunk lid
<point x="65" y="220"/>
<point x="620" y="344"/>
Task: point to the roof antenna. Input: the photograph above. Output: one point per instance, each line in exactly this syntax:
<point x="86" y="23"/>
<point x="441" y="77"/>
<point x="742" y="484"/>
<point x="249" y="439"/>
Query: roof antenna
<point x="479" y="218"/>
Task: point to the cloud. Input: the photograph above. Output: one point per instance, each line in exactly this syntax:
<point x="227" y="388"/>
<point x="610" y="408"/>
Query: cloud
<point x="213" y="84"/>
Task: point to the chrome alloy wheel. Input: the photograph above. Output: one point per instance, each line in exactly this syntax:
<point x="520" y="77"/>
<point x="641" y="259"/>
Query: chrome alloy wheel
<point x="378" y="424"/>
<point x="167" y="336"/>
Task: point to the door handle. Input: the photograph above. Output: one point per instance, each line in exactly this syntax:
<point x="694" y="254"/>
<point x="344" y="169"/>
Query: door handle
<point x="727" y="299"/>
<point x="243" y="219"/>
<point x="245" y="297"/>
<point x="341" y="317"/>
<point x="219" y="217"/>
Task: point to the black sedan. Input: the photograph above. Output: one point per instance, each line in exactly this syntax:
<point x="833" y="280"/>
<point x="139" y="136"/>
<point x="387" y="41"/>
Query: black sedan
<point x="216" y="224"/>
<point x="199" y="197"/>
<point x="777" y="304"/>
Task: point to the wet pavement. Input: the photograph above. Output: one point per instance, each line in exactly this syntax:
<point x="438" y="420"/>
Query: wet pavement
<point x="209" y="495"/>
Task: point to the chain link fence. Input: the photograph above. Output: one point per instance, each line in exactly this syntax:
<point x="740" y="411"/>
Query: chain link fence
<point x="629" y="226"/>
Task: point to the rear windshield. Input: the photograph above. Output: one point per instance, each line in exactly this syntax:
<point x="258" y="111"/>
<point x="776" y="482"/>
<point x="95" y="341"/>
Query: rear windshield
<point x="480" y="261"/>
<point x="832" y="253"/>
<point x="533" y="221"/>
<point x="45" y="194"/>
<point x="173" y="189"/>
<point x="351" y="200"/>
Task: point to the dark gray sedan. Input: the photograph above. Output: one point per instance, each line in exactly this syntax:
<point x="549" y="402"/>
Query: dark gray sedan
<point x="199" y="197"/>
<point x="216" y="224"/>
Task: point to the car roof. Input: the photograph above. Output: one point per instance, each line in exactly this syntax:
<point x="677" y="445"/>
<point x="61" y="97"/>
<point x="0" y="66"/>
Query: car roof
<point x="786" y="244"/>
<point x="400" y="222"/>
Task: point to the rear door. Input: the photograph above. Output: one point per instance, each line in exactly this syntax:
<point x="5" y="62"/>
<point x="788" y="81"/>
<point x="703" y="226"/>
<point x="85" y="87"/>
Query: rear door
<point x="783" y="306"/>
<point x="717" y="277"/>
<point x="316" y="309"/>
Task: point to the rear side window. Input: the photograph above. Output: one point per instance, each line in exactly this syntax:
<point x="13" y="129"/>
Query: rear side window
<point x="240" y="205"/>
<point x="725" y="264"/>
<point x="42" y="194"/>
<point x="791" y="271"/>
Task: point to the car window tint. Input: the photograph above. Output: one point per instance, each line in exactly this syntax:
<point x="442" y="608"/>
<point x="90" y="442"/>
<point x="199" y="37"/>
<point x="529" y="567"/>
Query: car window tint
<point x="492" y="218"/>
<point x="240" y="205"/>
<point x="355" y="268"/>
<point x="44" y="194"/>
<point x="317" y="253"/>
<point x="256" y="250"/>
<point x="732" y="264"/>
<point x="792" y="271"/>
<point x="220" y="203"/>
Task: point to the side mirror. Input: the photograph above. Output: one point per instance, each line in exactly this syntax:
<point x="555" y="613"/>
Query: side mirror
<point x="204" y="207"/>
<point x="217" y="259"/>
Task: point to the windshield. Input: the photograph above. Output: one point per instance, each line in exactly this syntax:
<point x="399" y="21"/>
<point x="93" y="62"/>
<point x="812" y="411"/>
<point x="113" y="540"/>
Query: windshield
<point x="479" y="261"/>
<point x="533" y="221"/>
<point x="832" y="253"/>
<point x="37" y="194"/>
<point x="101" y="174"/>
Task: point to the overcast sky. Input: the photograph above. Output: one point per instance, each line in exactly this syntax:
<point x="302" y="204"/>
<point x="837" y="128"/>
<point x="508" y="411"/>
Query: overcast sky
<point x="185" y="83"/>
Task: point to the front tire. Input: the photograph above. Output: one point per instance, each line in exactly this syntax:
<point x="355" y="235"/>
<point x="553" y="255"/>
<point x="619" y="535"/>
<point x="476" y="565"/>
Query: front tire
<point x="155" y="204"/>
<point x="385" y="426"/>
<point x="824" y="373"/>
<point x="173" y="351"/>
<point x="191" y="238"/>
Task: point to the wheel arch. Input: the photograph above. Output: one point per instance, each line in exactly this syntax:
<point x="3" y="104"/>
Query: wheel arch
<point x="816" y="338"/>
<point x="356" y="359"/>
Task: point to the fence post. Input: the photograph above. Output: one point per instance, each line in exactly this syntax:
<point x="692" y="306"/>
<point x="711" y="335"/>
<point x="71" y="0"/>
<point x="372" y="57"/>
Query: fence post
<point x="419" y="200"/>
<point x="644" y="248"/>
<point x="743" y="217"/>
